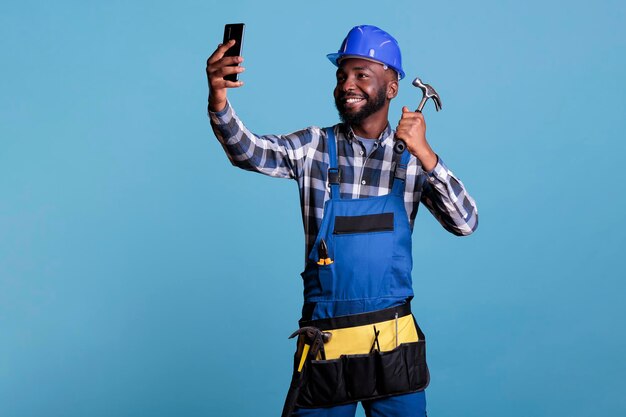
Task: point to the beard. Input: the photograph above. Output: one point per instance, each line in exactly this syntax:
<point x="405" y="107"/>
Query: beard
<point x="371" y="106"/>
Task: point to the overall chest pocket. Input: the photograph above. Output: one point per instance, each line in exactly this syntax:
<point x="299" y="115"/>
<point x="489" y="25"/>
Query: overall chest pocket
<point x="363" y="254"/>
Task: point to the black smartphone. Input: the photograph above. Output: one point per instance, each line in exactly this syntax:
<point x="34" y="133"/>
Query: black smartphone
<point x="234" y="31"/>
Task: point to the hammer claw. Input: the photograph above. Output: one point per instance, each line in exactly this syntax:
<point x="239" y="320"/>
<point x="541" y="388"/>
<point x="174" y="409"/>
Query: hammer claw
<point x="437" y="101"/>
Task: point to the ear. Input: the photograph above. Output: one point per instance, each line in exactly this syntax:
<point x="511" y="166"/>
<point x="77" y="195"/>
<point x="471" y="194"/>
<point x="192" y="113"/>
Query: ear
<point x="392" y="89"/>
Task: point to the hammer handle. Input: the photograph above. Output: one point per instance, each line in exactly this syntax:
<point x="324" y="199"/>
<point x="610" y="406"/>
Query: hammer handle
<point x="400" y="145"/>
<point x="422" y="104"/>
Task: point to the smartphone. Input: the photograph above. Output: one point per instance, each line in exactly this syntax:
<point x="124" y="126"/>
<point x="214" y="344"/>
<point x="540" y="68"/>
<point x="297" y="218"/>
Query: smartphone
<point x="234" y="31"/>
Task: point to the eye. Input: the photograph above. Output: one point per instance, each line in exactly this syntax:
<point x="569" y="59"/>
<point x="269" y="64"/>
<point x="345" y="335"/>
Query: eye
<point x="362" y="75"/>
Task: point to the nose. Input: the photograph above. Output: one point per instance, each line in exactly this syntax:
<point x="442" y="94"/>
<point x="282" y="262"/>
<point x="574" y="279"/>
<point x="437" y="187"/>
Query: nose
<point x="347" y="84"/>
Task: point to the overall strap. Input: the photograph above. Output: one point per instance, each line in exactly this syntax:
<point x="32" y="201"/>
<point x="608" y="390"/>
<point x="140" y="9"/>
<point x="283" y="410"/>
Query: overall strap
<point x="400" y="174"/>
<point x="334" y="174"/>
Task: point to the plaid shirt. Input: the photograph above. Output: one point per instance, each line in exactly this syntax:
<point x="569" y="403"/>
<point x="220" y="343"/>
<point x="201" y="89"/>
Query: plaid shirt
<point x="303" y="156"/>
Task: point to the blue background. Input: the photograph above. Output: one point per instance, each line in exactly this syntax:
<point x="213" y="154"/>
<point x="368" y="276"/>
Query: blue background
<point x="140" y="274"/>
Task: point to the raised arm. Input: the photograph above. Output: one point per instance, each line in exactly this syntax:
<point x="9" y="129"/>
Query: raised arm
<point x="217" y="67"/>
<point x="275" y="155"/>
<point x="442" y="193"/>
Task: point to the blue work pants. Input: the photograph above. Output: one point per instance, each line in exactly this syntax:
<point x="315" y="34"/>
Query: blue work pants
<point x="406" y="405"/>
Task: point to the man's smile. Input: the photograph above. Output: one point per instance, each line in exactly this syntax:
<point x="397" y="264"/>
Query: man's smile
<point x="353" y="101"/>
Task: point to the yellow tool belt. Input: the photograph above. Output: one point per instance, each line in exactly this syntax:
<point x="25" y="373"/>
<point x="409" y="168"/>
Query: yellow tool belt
<point x="368" y="356"/>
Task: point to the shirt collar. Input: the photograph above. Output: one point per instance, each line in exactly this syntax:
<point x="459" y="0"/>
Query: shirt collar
<point x="385" y="138"/>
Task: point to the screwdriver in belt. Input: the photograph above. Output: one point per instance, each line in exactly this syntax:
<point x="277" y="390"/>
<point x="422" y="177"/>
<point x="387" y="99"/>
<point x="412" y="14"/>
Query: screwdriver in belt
<point x="322" y="252"/>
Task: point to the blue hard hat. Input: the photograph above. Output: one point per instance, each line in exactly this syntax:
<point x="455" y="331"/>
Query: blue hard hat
<point x="370" y="42"/>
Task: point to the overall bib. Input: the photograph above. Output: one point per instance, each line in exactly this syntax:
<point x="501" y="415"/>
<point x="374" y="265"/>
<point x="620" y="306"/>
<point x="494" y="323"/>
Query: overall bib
<point x="357" y="289"/>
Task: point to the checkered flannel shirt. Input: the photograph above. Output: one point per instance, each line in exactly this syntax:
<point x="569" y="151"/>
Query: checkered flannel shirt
<point x="303" y="156"/>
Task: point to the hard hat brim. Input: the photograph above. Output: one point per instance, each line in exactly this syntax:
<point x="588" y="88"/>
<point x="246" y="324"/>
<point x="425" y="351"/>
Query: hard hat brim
<point x="337" y="57"/>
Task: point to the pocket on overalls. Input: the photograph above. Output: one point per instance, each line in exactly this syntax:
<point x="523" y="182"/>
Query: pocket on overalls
<point x="363" y="250"/>
<point x="326" y="279"/>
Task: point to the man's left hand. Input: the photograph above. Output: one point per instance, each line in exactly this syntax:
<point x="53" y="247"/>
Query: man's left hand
<point x="412" y="129"/>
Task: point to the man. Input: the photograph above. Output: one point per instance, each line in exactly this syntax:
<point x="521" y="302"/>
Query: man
<point x="358" y="339"/>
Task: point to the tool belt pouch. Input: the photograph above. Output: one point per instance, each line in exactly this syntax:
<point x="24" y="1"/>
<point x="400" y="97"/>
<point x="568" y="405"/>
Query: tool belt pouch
<point x="352" y="378"/>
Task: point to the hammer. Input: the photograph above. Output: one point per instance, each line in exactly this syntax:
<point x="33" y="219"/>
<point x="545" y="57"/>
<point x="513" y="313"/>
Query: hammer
<point x="313" y="339"/>
<point x="429" y="92"/>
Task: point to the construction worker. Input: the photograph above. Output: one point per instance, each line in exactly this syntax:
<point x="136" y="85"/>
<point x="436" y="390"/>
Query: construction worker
<point x="358" y="340"/>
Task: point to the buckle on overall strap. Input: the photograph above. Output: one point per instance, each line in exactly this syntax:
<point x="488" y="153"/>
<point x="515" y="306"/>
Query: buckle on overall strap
<point x="400" y="166"/>
<point x="334" y="176"/>
<point x="400" y="171"/>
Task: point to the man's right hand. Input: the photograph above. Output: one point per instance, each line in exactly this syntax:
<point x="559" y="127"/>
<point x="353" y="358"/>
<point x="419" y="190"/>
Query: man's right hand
<point x="217" y="67"/>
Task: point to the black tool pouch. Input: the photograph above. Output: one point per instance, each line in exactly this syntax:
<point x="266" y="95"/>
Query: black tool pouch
<point x="352" y="378"/>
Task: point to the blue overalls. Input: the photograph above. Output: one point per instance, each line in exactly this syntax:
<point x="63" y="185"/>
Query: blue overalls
<point x="368" y="246"/>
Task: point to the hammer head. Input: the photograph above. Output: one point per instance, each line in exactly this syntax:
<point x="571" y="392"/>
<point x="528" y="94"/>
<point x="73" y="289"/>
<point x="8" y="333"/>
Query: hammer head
<point x="429" y="92"/>
<point x="311" y="333"/>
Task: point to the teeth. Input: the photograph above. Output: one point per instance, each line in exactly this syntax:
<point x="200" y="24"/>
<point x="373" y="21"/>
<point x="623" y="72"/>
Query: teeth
<point x="353" y="100"/>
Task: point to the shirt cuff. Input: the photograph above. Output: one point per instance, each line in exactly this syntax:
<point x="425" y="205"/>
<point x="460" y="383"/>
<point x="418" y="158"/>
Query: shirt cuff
<point x="221" y="117"/>
<point x="439" y="173"/>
